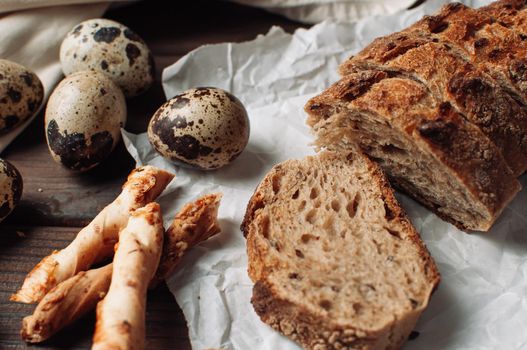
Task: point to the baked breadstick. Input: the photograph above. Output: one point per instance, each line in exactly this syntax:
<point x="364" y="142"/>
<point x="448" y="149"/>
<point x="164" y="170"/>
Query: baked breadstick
<point x="196" y="222"/>
<point x="121" y="314"/>
<point x="66" y="302"/>
<point x="94" y="242"/>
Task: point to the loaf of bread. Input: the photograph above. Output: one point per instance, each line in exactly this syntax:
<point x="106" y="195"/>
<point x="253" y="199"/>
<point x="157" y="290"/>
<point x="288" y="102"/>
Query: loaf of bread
<point x="335" y="261"/>
<point x="441" y="106"/>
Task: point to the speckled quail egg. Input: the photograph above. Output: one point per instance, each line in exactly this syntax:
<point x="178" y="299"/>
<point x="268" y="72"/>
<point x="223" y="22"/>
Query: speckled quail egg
<point x="204" y="128"/>
<point x="83" y="119"/>
<point x="21" y="94"/>
<point x="111" y="48"/>
<point x="10" y="188"/>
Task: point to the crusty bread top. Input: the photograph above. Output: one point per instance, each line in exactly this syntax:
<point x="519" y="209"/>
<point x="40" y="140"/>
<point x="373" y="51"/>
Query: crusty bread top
<point x="511" y="13"/>
<point x="326" y="234"/>
<point x="466" y="58"/>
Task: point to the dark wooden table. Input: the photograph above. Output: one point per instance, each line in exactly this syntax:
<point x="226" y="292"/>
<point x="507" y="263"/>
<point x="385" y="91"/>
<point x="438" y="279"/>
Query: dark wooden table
<point x="56" y="203"/>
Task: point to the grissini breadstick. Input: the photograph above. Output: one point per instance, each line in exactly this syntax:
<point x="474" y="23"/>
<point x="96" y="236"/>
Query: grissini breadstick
<point x="196" y="222"/>
<point x="94" y="242"/>
<point x="66" y="302"/>
<point x="121" y="314"/>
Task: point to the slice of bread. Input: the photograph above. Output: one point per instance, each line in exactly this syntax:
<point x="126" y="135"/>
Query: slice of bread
<point x="335" y="261"/>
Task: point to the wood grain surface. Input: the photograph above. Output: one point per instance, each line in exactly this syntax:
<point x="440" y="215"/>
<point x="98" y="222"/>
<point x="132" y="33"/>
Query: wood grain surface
<point x="56" y="203"/>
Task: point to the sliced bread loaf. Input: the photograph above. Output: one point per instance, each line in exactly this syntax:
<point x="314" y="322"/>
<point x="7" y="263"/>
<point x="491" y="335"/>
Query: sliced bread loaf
<point x="335" y="261"/>
<point x="463" y="57"/>
<point x="425" y="146"/>
<point x="472" y="93"/>
<point x="490" y="44"/>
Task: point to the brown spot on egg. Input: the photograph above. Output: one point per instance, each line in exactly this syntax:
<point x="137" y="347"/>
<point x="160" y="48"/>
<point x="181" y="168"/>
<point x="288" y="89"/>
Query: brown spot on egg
<point x="201" y="91"/>
<point x="14" y="95"/>
<point x="77" y="30"/>
<point x="28" y="78"/>
<point x="132" y="52"/>
<point x="73" y="150"/>
<point x="180" y="122"/>
<point x="189" y="147"/>
<point x="106" y="34"/>
<point x="104" y="65"/>
<point x="186" y="146"/>
<point x="129" y="34"/>
<point x="179" y="101"/>
<point x="17" y="183"/>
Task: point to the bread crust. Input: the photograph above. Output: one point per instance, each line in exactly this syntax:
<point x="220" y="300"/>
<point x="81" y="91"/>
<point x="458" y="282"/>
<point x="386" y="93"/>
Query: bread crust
<point x="475" y="95"/>
<point x="313" y="330"/>
<point x="509" y="13"/>
<point x="493" y="40"/>
<point x="488" y="45"/>
<point x="466" y="153"/>
<point x="345" y="90"/>
<point x="450" y="77"/>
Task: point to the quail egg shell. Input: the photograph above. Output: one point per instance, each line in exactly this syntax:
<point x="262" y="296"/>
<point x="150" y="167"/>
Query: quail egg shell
<point x="10" y="188"/>
<point x="204" y="128"/>
<point x="83" y="119"/>
<point x="111" y="48"/>
<point x="21" y="94"/>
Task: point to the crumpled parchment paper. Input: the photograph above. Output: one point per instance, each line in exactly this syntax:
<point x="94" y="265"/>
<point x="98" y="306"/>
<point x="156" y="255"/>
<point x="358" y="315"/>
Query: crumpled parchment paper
<point x="481" y="302"/>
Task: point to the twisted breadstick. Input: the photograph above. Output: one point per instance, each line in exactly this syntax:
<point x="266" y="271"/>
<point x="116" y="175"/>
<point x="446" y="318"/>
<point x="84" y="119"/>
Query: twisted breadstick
<point x="69" y="300"/>
<point x="121" y="314"/>
<point x="194" y="223"/>
<point x="94" y="242"/>
<point x="65" y="303"/>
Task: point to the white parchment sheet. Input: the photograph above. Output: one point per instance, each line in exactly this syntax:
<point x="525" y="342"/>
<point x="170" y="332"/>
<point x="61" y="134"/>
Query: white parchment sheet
<point x="481" y="302"/>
